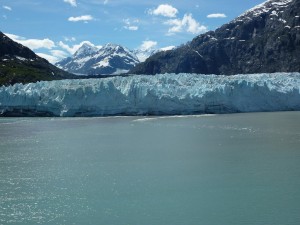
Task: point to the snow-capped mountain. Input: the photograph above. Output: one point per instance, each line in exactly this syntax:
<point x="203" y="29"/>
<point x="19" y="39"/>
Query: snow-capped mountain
<point x="85" y="50"/>
<point x="106" y="60"/>
<point x="273" y="7"/>
<point x="265" y="38"/>
<point x="143" y="54"/>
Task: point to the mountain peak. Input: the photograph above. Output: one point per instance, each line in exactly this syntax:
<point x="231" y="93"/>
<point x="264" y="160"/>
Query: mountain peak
<point x="116" y="48"/>
<point x="265" y="7"/>
<point x="108" y="60"/>
<point x="86" y="48"/>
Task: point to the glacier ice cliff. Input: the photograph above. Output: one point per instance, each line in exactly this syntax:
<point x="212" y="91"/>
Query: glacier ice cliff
<point x="166" y="94"/>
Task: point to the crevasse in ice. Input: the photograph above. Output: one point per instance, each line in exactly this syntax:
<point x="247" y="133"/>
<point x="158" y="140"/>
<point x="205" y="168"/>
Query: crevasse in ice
<point x="165" y="94"/>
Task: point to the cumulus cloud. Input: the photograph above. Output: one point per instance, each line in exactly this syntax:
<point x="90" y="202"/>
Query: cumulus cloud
<point x="81" y="18"/>
<point x="71" y="2"/>
<point x="36" y="43"/>
<point x="14" y="37"/>
<point x="56" y="55"/>
<point x="7" y="8"/>
<point x="52" y="59"/>
<point x="74" y="48"/>
<point x="216" y="15"/>
<point x="188" y="24"/>
<point x="146" y="45"/>
<point x="59" y="54"/>
<point x="164" y="10"/>
<point x="131" y="24"/>
<point x="33" y="43"/>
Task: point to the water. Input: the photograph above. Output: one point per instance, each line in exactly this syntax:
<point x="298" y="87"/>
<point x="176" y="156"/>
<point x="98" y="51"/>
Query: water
<point x="239" y="169"/>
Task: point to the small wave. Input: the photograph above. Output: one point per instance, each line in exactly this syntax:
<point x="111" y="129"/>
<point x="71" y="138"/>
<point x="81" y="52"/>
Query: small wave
<point x="146" y="119"/>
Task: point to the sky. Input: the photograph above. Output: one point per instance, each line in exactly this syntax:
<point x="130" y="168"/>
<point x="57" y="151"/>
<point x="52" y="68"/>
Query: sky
<point x="55" y="29"/>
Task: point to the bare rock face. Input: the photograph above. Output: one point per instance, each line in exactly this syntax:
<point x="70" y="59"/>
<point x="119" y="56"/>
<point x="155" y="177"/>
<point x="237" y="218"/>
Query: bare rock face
<point x="265" y="38"/>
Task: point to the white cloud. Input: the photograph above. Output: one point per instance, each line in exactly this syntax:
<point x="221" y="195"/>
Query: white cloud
<point x="80" y="18"/>
<point x="176" y="25"/>
<point x="188" y="24"/>
<point x="36" y="43"/>
<point x="55" y="56"/>
<point x="146" y="45"/>
<point x="69" y="49"/>
<point x="59" y="54"/>
<point x="14" y="37"/>
<point x="216" y="15"/>
<point x="69" y="39"/>
<point x="7" y="8"/>
<point x="164" y="10"/>
<point x="133" y="28"/>
<point x="33" y="43"/>
<point x="131" y="24"/>
<point x="52" y="59"/>
<point x="71" y="2"/>
<point x="74" y="48"/>
<point x="105" y="2"/>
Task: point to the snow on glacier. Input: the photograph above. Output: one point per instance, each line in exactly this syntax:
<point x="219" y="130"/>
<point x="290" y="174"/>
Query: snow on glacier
<point x="166" y="94"/>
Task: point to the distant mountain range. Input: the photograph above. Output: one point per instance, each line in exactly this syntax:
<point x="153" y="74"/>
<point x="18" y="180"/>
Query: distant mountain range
<point x="18" y="64"/>
<point x="265" y="38"/>
<point x="90" y="60"/>
<point x="111" y="59"/>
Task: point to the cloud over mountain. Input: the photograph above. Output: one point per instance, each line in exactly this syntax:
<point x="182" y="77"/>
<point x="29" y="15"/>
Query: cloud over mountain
<point x="187" y="23"/>
<point x="33" y="44"/>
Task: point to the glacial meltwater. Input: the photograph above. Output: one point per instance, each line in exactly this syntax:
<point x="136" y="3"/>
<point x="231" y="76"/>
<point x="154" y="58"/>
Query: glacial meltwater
<point x="237" y="169"/>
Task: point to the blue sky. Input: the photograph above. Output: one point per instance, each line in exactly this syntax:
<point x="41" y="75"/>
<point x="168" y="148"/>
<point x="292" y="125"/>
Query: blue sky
<point x="56" y="28"/>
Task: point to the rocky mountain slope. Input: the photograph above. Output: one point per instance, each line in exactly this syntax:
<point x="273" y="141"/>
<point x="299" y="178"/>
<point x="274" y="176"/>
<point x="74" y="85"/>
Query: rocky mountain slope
<point x="109" y="59"/>
<point x="265" y="38"/>
<point x="18" y="64"/>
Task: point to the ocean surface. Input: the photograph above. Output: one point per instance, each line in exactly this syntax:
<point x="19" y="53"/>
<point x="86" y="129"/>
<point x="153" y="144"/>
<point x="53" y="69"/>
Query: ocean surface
<point x="236" y="169"/>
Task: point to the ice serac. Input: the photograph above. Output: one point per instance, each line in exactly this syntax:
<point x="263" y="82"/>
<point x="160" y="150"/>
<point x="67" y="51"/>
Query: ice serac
<point x="167" y="94"/>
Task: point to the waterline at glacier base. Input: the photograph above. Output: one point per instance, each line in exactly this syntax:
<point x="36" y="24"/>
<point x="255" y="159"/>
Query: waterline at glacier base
<point x="166" y="94"/>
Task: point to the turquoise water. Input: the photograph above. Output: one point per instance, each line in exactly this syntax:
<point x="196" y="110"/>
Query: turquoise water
<point x="239" y="169"/>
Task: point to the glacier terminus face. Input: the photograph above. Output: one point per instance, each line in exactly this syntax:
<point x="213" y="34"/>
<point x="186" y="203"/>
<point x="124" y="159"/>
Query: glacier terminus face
<point x="165" y="94"/>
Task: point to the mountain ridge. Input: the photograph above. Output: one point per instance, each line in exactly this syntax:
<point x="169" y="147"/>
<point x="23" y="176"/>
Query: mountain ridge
<point x="18" y="64"/>
<point x="110" y="59"/>
<point x="265" y="38"/>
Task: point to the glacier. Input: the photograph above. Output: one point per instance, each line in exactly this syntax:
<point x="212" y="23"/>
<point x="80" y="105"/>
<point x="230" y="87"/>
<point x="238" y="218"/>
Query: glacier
<point x="164" y="94"/>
